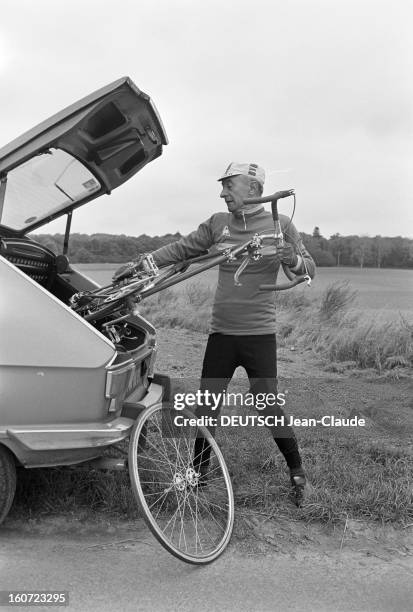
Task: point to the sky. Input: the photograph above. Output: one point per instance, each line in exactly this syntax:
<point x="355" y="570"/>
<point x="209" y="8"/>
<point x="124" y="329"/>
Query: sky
<point x="318" y="92"/>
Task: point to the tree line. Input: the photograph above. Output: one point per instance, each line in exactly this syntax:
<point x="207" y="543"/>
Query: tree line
<point x="105" y="248"/>
<point x="362" y="251"/>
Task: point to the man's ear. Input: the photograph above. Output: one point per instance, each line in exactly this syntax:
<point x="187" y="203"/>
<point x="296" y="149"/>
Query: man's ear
<point x="253" y="188"/>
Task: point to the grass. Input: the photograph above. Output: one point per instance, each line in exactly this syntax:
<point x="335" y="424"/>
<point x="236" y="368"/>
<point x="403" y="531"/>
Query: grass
<point x="352" y="477"/>
<point x="376" y="289"/>
<point x="326" y="325"/>
<point x="339" y="334"/>
<point x="189" y="308"/>
<point x="55" y="491"/>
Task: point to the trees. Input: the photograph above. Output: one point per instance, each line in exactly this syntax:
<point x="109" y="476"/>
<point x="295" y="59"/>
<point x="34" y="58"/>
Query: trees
<point x="380" y="248"/>
<point x="318" y="247"/>
<point x="338" y="250"/>
<point x="361" y="250"/>
<point x="104" y="248"/>
<point x="336" y="247"/>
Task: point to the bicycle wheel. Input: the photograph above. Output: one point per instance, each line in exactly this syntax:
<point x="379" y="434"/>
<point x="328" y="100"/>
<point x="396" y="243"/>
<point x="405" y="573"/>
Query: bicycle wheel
<point x="191" y="515"/>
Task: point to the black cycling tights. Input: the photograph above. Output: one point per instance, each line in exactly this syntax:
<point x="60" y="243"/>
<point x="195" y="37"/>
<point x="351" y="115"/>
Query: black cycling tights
<point x="258" y="355"/>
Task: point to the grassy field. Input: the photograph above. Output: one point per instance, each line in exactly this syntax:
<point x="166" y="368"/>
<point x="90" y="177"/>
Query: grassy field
<point x="376" y="289"/>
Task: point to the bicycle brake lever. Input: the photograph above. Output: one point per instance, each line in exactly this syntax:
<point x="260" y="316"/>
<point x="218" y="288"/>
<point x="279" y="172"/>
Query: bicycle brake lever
<point x="240" y="269"/>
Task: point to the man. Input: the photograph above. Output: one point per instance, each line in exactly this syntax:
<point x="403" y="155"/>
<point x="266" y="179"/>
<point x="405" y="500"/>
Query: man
<point x="243" y="318"/>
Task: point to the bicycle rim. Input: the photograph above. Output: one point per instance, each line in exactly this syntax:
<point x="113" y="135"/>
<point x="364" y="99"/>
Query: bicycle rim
<point x="191" y="516"/>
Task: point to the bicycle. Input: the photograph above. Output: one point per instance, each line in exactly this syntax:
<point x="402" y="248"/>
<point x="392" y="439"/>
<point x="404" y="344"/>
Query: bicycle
<point x="191" y="517"/>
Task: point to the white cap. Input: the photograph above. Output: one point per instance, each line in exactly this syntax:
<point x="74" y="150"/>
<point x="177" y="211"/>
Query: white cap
<point x="252" y="170"/>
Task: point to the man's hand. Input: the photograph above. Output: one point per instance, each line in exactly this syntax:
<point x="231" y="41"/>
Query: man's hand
<point x="288" y="255"/>
<point x="125" y="271"/>
<point x="129" y="269"/>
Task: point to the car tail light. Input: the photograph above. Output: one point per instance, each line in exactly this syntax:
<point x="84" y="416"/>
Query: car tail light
<point x="117" y="382"/>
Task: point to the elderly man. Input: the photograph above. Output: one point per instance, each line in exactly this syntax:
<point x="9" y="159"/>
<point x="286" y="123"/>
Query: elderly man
<point x="243" y="322"/>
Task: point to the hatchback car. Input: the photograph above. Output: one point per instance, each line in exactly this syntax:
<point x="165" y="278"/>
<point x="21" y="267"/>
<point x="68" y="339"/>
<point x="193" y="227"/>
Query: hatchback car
<point x="67" y="388"/>
<point x="77" y="379"/>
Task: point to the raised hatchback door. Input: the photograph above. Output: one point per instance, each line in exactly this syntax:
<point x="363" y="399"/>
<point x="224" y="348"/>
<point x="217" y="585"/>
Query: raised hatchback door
<point x="86" y="150"/>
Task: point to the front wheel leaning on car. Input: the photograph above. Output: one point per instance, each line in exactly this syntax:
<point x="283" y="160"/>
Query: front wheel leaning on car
<point x="190" y="514"/>
<point x="7" y="481"/>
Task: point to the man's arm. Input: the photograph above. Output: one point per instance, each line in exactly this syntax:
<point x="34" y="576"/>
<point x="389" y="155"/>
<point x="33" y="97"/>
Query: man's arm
<point x="189" y="246"/>
<point x="298" y="258"/>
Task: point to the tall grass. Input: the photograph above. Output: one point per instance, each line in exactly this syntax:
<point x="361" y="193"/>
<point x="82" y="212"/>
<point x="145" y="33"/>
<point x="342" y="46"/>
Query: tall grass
<point x="336" y="298"/>
<point x="327" y="324"/>
<point x="189" y="308"/>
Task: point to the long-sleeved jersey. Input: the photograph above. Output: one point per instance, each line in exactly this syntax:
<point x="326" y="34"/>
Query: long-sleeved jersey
<point x="243" y="310"/>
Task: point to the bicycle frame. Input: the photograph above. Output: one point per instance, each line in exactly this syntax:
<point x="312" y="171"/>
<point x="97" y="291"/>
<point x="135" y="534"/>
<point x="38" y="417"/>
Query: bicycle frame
<point x="154" y="280"/>
<point x="251" y="247"/>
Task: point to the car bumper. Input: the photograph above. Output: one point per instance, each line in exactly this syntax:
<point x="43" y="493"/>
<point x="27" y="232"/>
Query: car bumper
<point x="50" y="445"/>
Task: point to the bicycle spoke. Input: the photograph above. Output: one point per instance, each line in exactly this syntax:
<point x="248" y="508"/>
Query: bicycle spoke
<point x="192" y="519"/>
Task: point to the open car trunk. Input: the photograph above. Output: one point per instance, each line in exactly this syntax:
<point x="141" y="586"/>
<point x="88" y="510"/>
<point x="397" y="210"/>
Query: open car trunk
<point x="75" y="156"/>
<point x="55" y="367"/>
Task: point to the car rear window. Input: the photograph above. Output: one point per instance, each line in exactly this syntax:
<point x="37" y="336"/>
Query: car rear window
<point x="44" y="185"/>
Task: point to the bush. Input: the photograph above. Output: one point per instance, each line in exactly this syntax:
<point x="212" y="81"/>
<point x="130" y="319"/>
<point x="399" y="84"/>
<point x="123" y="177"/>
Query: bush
<point x="335" y="299"/>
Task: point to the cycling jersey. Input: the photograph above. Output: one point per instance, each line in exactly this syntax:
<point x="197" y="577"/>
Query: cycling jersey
<point x="243" y="310"/>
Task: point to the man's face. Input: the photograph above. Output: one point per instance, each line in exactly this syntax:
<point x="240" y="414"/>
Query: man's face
<point x="234" y="190"/>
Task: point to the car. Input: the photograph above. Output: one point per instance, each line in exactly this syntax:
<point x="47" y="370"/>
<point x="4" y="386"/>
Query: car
<point x="68" y="389"/>
<point x="76" y="366"/>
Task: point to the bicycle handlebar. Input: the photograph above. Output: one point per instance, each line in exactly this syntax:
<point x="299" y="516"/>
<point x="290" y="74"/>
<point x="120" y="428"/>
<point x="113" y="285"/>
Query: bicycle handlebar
<point x="283" y="286"/>
<point x="293" y="279"/>
<point x="271" y="198"/>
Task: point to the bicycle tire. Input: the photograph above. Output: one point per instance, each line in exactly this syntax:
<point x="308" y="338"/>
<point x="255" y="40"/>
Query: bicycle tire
<point x="203" y="513"/>
<point x="7" y="481"/>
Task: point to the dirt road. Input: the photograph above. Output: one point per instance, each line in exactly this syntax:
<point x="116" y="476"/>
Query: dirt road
<point x="124" y="568"/>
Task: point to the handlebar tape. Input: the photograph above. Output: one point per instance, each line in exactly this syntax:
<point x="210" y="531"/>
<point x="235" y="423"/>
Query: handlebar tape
<point x="282" y="286"/>
<point x="271" y="198"/>
<point x="290" y="275"/>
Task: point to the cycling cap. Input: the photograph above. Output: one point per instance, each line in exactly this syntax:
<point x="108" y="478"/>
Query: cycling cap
<point x="252" y="170"/>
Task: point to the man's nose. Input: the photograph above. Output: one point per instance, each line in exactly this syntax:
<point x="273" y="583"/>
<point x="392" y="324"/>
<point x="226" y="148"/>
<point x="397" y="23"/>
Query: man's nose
<point x="223" y="193"/>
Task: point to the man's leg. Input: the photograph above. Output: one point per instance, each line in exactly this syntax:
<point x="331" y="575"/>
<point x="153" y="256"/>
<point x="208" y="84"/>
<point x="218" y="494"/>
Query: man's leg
<point x="217" y="369"/>
<point x="259" y="358"/>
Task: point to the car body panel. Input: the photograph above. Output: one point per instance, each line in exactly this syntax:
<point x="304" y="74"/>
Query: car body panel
<point x="113" y="132"/>
<point x="55" y="336"/>
<point x="57" y="444"/>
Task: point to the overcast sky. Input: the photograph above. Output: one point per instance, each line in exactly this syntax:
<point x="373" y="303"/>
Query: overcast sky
<point x="318" y="92"/>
